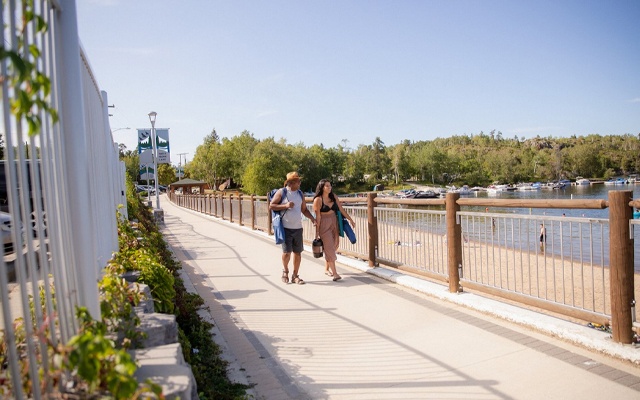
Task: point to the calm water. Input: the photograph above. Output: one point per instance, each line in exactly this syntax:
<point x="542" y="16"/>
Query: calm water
<point x="597" y="192"/>
<point x="597" y="239"/>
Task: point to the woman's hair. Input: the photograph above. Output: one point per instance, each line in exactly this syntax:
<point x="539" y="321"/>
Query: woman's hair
<point x="320" y="190"/>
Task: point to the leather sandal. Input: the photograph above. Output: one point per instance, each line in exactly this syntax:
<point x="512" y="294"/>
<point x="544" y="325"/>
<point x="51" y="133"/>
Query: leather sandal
<point x="285" y="276"/>
<point x="297" y="279"/>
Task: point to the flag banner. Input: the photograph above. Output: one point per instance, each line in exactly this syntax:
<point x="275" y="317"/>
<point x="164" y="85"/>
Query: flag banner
<point x="146" y="172"/>
<point x="145" y="146"/>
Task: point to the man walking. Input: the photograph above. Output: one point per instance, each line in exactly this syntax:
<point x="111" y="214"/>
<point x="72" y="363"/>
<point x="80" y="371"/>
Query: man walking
<point x="291" y="200"/>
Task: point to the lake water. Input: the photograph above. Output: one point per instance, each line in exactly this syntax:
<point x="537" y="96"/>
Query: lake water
<point x="597" y="192"/>
<point x="598" y="239"/>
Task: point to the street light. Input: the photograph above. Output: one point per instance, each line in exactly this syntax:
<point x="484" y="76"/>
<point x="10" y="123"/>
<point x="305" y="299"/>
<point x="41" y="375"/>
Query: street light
<point x="121" y="146"/>
<point x="152" y="118"/>
<point x="118" y="129"/>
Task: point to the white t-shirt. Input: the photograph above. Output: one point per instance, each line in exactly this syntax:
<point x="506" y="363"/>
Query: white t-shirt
<point x="292" y="219"/>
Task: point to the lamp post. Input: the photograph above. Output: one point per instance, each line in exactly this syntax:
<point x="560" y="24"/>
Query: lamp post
<point x="154" y="151"/>
<point x="117" y="129"/>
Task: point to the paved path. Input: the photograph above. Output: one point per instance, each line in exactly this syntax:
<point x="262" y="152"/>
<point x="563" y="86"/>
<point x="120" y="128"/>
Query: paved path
<point x="368" y="338"/>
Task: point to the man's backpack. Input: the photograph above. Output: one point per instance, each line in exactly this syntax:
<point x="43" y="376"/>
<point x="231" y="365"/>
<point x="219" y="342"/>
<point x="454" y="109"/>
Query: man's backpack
<point x="270" y="196"/>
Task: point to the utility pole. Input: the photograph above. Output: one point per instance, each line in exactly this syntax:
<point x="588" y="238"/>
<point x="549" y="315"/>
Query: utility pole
<point x="180" y="173"/>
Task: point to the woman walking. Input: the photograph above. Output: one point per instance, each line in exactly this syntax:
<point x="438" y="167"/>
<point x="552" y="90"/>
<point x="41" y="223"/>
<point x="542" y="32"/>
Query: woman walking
<point x="325" y="206"/>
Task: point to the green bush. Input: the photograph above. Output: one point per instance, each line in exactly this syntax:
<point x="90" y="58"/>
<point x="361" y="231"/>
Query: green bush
<point x="159" y="279"/>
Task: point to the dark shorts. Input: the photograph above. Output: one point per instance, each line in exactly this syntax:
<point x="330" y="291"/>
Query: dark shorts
<point x="292" y="241"/>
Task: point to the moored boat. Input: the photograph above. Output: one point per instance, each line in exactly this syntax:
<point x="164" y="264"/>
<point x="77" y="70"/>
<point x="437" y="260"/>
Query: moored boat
<point x="582" y="181"/>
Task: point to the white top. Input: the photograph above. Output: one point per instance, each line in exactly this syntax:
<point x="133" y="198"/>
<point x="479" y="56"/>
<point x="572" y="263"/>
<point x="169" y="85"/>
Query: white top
<point x="292" y="219"/>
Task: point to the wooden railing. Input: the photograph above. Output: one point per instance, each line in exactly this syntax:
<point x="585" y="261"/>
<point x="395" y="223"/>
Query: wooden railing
<point x="497" y="254"/>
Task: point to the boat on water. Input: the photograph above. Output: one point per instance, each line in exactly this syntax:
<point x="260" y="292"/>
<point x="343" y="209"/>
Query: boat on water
<point x="561" y="184"/>
<point x="582" y="181"/>
<point x="425" y="194"/>
<point x="617" y="181"/>
<point x="406" y="194"/>
<point x="529" y="186"/>
<point x="495" y="188"/>
<point x="633" y="178"/>
<point x="464" y="190"/>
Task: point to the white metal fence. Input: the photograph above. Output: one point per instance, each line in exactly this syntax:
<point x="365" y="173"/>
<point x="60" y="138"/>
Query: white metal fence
<point x="63" y="221"/>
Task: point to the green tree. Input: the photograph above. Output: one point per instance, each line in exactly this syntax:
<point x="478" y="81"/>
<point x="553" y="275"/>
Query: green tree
<point x="378" y="162"/>
<point x="430" y="162"/>
<point x="131" y="164"/>
<point x="315" y="164"/>
<point x="166" y="174"/>
<point x="234" y="155"/>
<point x="267" y="169"/>
<point x="356" y="164"/>
<point x="400" y="164"/>
<point x="206" y="162"/>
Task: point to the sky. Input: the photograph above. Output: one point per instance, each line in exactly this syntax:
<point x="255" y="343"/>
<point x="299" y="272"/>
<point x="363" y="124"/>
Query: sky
<point x="348" y="71"/>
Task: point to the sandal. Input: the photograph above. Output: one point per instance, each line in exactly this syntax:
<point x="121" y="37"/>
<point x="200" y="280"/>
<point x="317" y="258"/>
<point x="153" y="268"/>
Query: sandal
<point x="285" y="276"/>
<point x="336" y="278"/>
<point x="297" y="279"/>
<point x="328" y="273"/>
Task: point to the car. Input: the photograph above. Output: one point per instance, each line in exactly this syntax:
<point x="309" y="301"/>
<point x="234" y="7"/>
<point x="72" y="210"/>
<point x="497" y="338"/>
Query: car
<point x="147" y="189"/>
<point x="5" y="229"/>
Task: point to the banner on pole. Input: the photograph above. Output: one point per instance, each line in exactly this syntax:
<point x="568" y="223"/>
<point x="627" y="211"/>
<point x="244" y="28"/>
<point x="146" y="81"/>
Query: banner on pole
<point x="145" y="147"/>
<point x="146" y="172"/>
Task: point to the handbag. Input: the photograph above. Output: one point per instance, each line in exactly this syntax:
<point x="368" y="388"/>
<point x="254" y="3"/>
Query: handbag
<point x="317" y="248"/>
<point x="351" y="235"/>
<point x="340" y="220"/>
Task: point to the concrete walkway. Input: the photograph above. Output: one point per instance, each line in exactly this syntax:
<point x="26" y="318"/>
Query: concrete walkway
<point x="375" y="334"/>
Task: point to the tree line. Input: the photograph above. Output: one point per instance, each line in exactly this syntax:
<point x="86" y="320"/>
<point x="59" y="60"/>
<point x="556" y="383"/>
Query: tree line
<point x="473" y="159"/>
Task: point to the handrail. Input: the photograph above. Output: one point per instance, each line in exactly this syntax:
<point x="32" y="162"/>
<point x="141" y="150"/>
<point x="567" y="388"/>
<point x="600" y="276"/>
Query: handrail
<point x="535" y="203"/>
<point x="620" y="267"/>
<point x="415" y="202"/>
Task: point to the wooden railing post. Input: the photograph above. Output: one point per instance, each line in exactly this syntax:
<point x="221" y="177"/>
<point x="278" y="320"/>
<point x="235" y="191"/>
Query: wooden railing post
<point x="454" y="242"/>
<point x="240" y="209"/>
<point x="222" y="205"/>
<point x="231" y="207"/>
<point x="621" y="265"/>
<point x="372" y="229"/>
<point x="215" y="204"/>
<point x="253" y="213"/>
<point x="269" y="225"/>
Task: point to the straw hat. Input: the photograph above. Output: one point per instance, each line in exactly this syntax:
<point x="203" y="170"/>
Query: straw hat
<point x="292" y="176"/>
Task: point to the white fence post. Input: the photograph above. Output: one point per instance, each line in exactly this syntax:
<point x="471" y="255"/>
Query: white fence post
<point x="76" y="160"/>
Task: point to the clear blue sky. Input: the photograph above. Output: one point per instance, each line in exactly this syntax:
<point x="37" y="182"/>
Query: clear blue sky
<point x="324" y="71"/>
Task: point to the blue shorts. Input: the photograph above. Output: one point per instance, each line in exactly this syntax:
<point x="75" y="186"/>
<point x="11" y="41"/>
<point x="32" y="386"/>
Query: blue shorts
<point x="292" y="241"/>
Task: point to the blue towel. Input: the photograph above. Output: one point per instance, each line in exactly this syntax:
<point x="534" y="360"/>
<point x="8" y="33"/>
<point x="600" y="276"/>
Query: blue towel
<point x="348" y="231"/>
